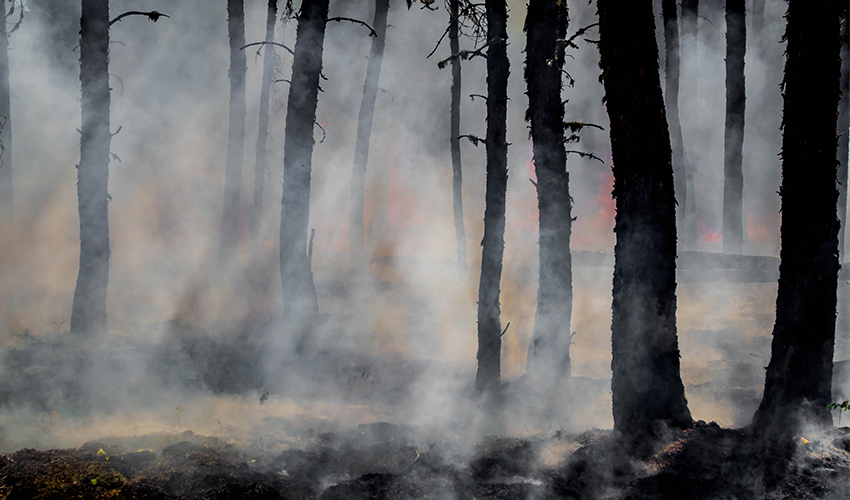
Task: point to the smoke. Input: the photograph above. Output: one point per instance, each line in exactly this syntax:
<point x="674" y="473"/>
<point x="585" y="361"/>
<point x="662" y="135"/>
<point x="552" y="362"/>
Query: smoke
<point x="400" y="347"/>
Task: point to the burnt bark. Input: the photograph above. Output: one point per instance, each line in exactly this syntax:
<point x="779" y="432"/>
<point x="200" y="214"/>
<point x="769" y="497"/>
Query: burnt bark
<point x="269" y="63"/>
<point x="733" y="173"/>
<point x="6" y="191"/>
<point x="493" y="244"/>
<point x="300" y="304"/>
<point x="549" y="352"/>
<point x="356" y="227"/>
<point x="236" y="129"/>
<point x="689" y="32"/>
<point x="672" y="56"/>
<point x="646" y="384"/>
<point x="843" y="139"/>
<point x="88" y="311"/>
<point x="457" y="170"/>
<point x="799" y="376"/>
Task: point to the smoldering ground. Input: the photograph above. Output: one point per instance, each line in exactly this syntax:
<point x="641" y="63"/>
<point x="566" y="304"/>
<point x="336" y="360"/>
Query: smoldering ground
<point x="399" y="348"/>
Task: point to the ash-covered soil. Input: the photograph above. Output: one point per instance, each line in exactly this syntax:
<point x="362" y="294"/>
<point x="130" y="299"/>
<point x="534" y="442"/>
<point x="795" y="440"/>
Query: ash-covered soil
<point x="385" y="461"/>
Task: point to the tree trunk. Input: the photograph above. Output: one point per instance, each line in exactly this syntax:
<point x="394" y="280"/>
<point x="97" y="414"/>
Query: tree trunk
<point x="356" y="229"/>
<point x="646" y="385"/>
<point x="6" y="192"/>
<point x="489" y="322"/>
<point x="799" y="376"/>
<point x="843" y="124"/>
<point x="236" y="128"/>
<point x="457" y="171"/>
<point x="733" y="173"/>
<point x="269" y="63"/>
<point x="689" y="25"/>
<point x="88" y="312"/>
<point x="549" y="352"/>
<point x="300" y="304"/>
<point x="671" y="101"/>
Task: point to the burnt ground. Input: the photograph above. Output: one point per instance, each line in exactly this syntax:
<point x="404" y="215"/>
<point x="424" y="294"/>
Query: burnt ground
<point x="384" y="461"/>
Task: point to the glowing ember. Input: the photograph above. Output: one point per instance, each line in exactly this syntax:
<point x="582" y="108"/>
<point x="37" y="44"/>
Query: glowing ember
<point x="708" y="234"/>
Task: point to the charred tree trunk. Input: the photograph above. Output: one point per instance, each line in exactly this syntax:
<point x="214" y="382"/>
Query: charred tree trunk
<point x="88" y="312"/>
<point x="300" y="304"/>
<point x="236" y="128"/>
<point x="356" y="228"/>
<point x="6" y="192"/>
<point x="269" y="63"/>
<point x="646" y="384"/>
<point x="457" y="171"/>
<point x="799" y="376"/>
<point x="689" y="25"/>
<point x="549" y="352"/>
<point x="489" y="312"/>
<point x="733" y="173"/>
<point x="843" y="140"/>
<point x="671" y="100"/>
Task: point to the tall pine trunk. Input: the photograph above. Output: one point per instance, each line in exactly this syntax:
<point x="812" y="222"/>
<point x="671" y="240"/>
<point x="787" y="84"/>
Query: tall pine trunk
<point x="646" y="384"/>
<point x="457" y="170"/>
<point x="689" y="52"/>
<point x="6" y="192"/>
<point x="236" y="128"/>
<point x="300" y="304"/>
<point x="549" y="352"/>
<point x="843" y="139"/>
<point x="489" y="312"/>
<point x="733" y="173"/>
<point x="671" y="100"/>
<point x="799" y="377"/>
<point x="356" y="227"/>
<point x="269" y="63"/>
<point x="88" y="312"/>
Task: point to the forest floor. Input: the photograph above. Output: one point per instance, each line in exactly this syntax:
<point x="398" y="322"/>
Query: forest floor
<point x="384" y="461"/>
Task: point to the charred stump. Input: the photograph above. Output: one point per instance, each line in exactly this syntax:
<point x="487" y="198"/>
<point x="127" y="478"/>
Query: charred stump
<point x="733" y="173"/>
<point x="799" y="376"/>
<point x="493" y="244"/>
<point x="646" y="384"/>
<point x="88" y="311"/>
<point x="356" y="226"/>
<point x="300" y="304"/>
<point x="549" y="352"/>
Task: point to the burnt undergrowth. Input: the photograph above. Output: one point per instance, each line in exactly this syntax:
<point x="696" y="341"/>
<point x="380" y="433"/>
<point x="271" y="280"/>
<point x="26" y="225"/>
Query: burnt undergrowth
<point x="384" y="461"/>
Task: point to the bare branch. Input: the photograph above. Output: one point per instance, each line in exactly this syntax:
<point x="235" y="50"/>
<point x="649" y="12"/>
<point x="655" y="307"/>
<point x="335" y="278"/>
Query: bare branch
<point x="586" y="155"/>
<point x="356" y="21"/>
<point x="465" y="54"/>
<point x="505" y="330"/>
<point x="20" y="19"/>
<point x="268" y="43"/>
<point x="570" y="42"/>
<point x="480" y="96"/>
<point x="577" y="126"/>
<point x="474" y="139"/>
<point x="324" y="134"/>
<point x="152" y="15"/>
<point x="438" y="44"/>
<point x="387" y="92"/>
